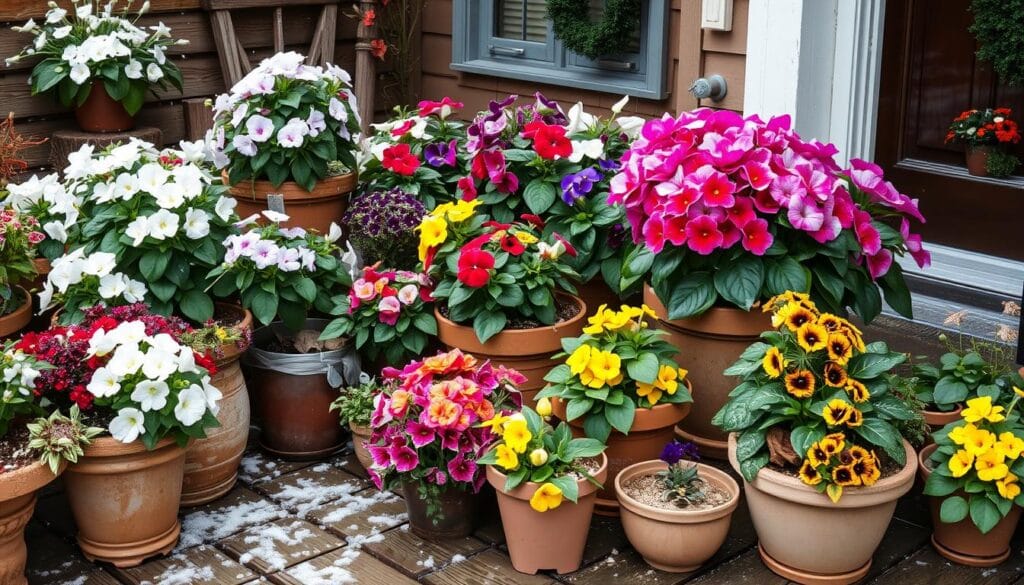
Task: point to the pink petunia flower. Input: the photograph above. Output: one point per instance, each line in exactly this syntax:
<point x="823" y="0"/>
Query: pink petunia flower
<point x="420" y="433"/>
<point x="389" y="308"/>
<point x="462" y="469"/>
<point x="741" y="212"/>
<point x="803" y="214"/>
<point x="756" y="237"/>
<point x="715" y="187"/>
<point x="703" y="235"/>
<point x="879" y="264"/>
<point x="404" y="458"/>
<point x="654" y="233"/>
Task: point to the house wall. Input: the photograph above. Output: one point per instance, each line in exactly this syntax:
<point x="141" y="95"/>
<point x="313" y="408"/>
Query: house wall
<point x="693" y="52"/>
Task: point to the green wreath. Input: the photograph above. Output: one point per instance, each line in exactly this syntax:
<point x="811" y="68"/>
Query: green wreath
<point x="593" y="39"/>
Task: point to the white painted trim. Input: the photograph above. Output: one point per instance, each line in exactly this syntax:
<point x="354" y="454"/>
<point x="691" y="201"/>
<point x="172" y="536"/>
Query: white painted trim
<point x="964" y="268"/>
<point x="773" y="57"/>
<point x="856" y="80"/>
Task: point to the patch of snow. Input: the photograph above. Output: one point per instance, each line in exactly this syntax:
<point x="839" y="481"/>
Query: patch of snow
<point x="989" y="572"/>
<point x="356" y="542"/>
<point x="256" y="467"/>
<point x="334" y="574"/>
<point x="458" y="558"/>
<point x="210" y="526"/>
<point x="79" y="580"/>
<point x="426" y="564"/>
<point x="388" y="519"/>
<point x="266" y="542"/>
<point x="309" y="494"/>
<point x="182" y="571"/>
<point x="355" y="503"/>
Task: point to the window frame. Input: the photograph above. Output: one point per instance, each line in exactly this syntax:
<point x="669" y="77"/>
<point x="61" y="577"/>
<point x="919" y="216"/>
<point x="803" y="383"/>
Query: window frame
<point x="475" y="49"/>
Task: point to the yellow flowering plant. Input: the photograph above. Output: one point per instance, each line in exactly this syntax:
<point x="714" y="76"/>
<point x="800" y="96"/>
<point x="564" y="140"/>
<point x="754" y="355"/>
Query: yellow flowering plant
<point x="530" y="449"/>
<point x="814" y="379"/>
<point x="618" y="365"/>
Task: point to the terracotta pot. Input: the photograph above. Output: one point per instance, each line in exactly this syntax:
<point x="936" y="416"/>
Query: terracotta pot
<point x="457" y="517"/>
<point x="708" y="345"/>
<point x="596" y="293"/>
<point x="12" y="323"/>
<point x="937" y="419"/>
<point x="17" y="501"/>
<point x="315" y="209"/>
<point x="101" y="113"/>
<point x="527" y="350"/>
<point x="977" y="160"/>
<point x="211" y="466"/>
<point x="360" y="435"/>
<point x="545" y="540"/>
<point x="679" y="540"/>
<point x="652" y="429"/>
<point x="125" y="499"/>
<point x="793" y="520"/>
<point x="962" y="542"/>
<point x="43" y="268"/>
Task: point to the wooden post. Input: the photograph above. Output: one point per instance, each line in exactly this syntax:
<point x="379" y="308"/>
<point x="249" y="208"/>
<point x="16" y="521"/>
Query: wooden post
<point x="366" y="74"/>
<point x="1020" y="336"/>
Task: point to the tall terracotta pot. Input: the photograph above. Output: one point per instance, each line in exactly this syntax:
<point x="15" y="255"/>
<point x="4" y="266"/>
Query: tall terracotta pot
<point x="101" y="113"/>
<point x="806" y="538"/>
<point x="315" y="209"/>
<point x="17" y="501"/>
<point x="962" y="542"/>
<point x="676" y="540"/>
<point x="545" y="540"/>
<point x="707" y="346"/>
<point x="125" y="499"/>
<point x="457" y="517"/>
<point x="211" y="466"/>
<point x="527" y="350"/>
<point x="977" y="160"/>
<point x="12" y="323"/>
<point x="360" y="435"/>
<point x="652" y="429"/>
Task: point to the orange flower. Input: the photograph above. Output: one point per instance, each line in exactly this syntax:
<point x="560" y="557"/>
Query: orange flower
<point x="369" y="17"/>
<point x="443" y="412"/>
<point x="800" y="384"/>
<point x="378" y="48"/>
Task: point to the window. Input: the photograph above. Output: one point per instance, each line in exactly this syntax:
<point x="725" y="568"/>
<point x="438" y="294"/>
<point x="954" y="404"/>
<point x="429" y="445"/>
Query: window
<point x="513" y="38"/>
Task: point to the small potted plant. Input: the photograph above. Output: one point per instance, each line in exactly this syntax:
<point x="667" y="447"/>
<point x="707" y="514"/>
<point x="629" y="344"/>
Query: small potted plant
<point x="381" y="226"/>
<point x="972" y="475"/>
<point x="99" y="63"/>
<point x="12" y="143"/>
<point x="284" y="129"/>
<point x="53" y="206"/>
<point x="814" y="435"/>
<point x="19" y="235"/>
<point x="78" y="281"/>
<point x="547" y="484"/>
<point x="959" y="376"/>
<point x="499" y="289"/>
<point x="355" y="406"/>
<point x="988" y="135"/>
<point x="429" y="432"/>
<point x="675" y="511"/>
<point x="620" y="384"/>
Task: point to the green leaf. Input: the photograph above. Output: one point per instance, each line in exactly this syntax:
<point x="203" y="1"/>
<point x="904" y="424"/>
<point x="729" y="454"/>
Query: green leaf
<point x="871" y="365"/>
<point x="897" y="295"/>
<point x="597" y="427"/>
<point x="785" y="273"/>
<point x="567" y="483"/>
<point x="694" y="294"/>
<point x="953" y="510"/>
<point x="583" y="448"/>
<point x="749" y="443"/>
<point x="539" y="195"/>
<point x="306" y="288"/>
<point x="487" y="324"/>
<point x="197" y="305"/>
<point x="153" y="264"/>
<point x="644" y="368"/>
<point x="132" y="101"/>
<point x="620" y="416"/>
<point x="740" y="281"/>
<point x="883" y="434"/>
<point x="263" y="306"/>
<point x="578" y="407"/>
<point x="949" y="390"/>
<point x="47" y="73"/>
<point x="984" y="513"/>
<point x="802" y="437"/>
<point x="426" y="323"/>
<point x="940" y="485"/>
<point x="750" y="467"/>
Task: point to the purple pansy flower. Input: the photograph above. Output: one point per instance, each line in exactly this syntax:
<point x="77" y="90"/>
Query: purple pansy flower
<point x="579" y="185"/>
<point x="440" y="154"/>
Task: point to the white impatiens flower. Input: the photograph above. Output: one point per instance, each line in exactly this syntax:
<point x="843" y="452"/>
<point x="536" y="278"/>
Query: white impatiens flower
<point x="292" y="134"/>
<point x="259" y="128"/>
<point x="275" y="216"/>
<point x="225" y="207"/>
<point x="159" y="365"/>
<point x="127" y="360"/>
<point x="99" y="263"/>
<point x="154" y="73"/>
<point x="593" y="149"/>
<point x="152" y="176"/>
<point x="55" y="15"/>
<point x="137" y="230"/>
<point x="80" y="73"/>
<point x="193" y="152"/>
<point x="135" y="292"/>
<point x="169" y="196"/>
<point x="151" y="395"/>
<point x="191" y="405"/>
<point x="126" y="186"/>
<point x="56" y="231"/>
<point x="46" y="296"/>
<point x="408" y="294"/>
<point x="104" y="383"/>
<point x="334" y="233"/>
<point x="128" y="425"/>
<point x="112" y="286"/>
<point x="213" y="396"/>
<point x="101" y="343"/>
<point x="133" y="70"/>
<point x="163" y="225"/>
<point x="60" y="33"/>
<point x="244" y="145"/>
<point x="337" y="110"/>
<point x="197" y="224"/>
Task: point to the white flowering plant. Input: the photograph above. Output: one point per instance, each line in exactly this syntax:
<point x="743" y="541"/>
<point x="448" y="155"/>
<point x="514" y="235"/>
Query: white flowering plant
<point x="88" y="43"/>
<point x="282" y="273"/>
<point x="286" y="121"/>
<point x="163" y="214"/>
<point x="48" y="201"/>
<point x="18" y="373"/>
<point x="78" y="281"/>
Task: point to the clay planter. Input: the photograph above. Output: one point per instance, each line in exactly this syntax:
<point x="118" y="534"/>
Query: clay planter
<point x="652" y="429"/>
<point x="806" y="538"/>
<point x="457" y="518"/>
<point x="596" y="292"/>
<point x="545" y="540"/>
<point x="125" y="499"/>
<point x="707" y="346"/>
<point x="211" y="466"/>
<point x="315" y="209"/>
<point x="679" y="540"/>
<point x="17" y="501"/>
<point x="12" y="323"/>
<point x="962" y="542"/>
<point x="977" y="160"/>
<point x="360" y="435"/>
<point x="527" y="350"/>
<point x="936" y="419"/>
<point x="101" y="113"/>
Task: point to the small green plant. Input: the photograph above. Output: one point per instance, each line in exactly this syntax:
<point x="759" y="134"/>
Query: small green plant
<point x="355" y="404"/>
<point x="682" y="482"/>
<point x="60" y="438"/>
<point x="1001" y="163"/>
<point x="913" y="428"/>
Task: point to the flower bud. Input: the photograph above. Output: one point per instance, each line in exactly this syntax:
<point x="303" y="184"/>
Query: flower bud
<point x="544" y="407"/>
<point x="538" y="457"/>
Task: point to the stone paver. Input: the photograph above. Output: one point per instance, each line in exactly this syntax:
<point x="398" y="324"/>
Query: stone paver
<point x="202" y="565"/>
<point x="280" y="544"/>
<point x="416" y="557"/>
<point x="489" y="567"/>
<point x="335" y="566"/>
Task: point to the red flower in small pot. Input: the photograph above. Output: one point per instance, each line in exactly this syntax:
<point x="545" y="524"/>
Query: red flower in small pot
<point x="474" y="267"/>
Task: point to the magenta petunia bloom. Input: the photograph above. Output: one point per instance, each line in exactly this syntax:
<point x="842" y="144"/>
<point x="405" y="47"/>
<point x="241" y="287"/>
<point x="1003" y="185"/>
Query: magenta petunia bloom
<point x="404" y="458"/>
<point x="714" y="186"/>
<point x="703" y="235"/>
<point x="756" y="237"/>
<point x="803" y="214"/>
<point x="420" y="433"/>
<point x="879" y="263"/>
<point x="462" y="469"/>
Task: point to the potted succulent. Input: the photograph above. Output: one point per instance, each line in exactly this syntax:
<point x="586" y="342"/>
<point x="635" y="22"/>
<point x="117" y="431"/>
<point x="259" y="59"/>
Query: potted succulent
<point x="546" y="483"/>
<point x="675" y="511"/>
<point x="972" y="475"/>
<point x="417" y="153"/>
<point x="988" y="135"/>
<point x="99" y="63"/>
<point x="430" y="430"/>
<point x="388" y="313"/>
<point x="814" y="435"/>
<point x="381" y="228"/>
<point x="730" y="211"/>
<point x="620" y="385"/>
<point x="284" y="129"/>
<point x="498" y="289"/>
<point x="19" y="235"/>
<point x="355" y="406"/>
<point x="152" y="395"/>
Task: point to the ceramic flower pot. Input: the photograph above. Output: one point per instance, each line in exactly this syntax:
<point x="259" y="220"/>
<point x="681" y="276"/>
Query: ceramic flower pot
<point x="793" y="520"/>
<point x="962" y="542"/>
<point x="101" y="113"/>
<point x="708" y="345"/>
<point x="977" y="160"/>
<point x="315" y="209"/>
<point x="528" y="351"/>
<point x="545" y="540"/>
<point x="676" y="540"/>
<point x="12" y="323"/>
<point x="211" y="466"/>
<point x="652" y="429"/>
<point x="456" y="518"/>
<point x="360" y="435"/>
<point x="937" y="419"/>
<point x="125" y="499"/>
<point x="17" y="501"/>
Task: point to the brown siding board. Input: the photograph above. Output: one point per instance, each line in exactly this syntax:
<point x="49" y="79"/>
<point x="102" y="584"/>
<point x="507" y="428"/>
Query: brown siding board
<point x="437" y="17"/>
<point x="731" y="67"/>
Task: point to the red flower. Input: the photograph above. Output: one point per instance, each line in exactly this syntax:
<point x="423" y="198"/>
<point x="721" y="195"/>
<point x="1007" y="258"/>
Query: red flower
<point x="400" y="160"/>
<point x="512" y="245"/>
<point x="533" y="220"/>
<point x="369" y="17"/>
<point x="445" y="107"/>
<point x="378" y="48"/>
<point x="756" y="237"/>
<point x="474" y="267"/>
<point x="548" y="140"/>
<point x="468" y="188"/>
<point x="569" y="248"/>
<point x="403" y="127"/>
<point x="478" y="169"/>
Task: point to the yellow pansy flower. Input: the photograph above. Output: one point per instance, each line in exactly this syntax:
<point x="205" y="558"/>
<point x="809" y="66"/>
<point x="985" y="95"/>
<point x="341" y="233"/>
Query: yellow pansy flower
<point x="462" y="210"/>
<point x="526" y="238"/>
<point x="794" y="316"/>
<point x="495" y="423"/>
<point x="618" y="320"/>
<point x="667" y="379"/>
<point x="773" y="363"/>
<point x="991" y="465"/>
<point x="597" y="320"/>
<point x="840" y="348"/>
<point x="1008" y="486"/>
<point x="981" y="408"/>
<point x="809" y="473"/>
<point x="960" y="463"/>
<point x="649" y="391"/>
<point x="517" y="435"/>
<point x="442" y="210"/>
<point x="507" y="458"/>
<point x="579" y="360"/>
<point x="812" y="337"/>
<point x="433" y="232"/>
<point x="1010" y="445"/>
<point x="960" y="434"/>
<point x="836" y="412"/>
<point x="547" y="497"/>
<point x="979" y="441"/>
<point x="605" y="367"/>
